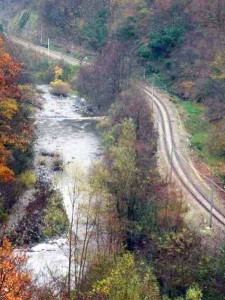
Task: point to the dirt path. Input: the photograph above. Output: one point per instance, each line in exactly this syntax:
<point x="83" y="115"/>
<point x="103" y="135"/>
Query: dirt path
<point x="174" y="151"/>
<point x="42" y="50"/>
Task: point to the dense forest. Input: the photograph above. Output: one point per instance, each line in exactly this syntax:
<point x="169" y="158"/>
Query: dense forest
<point x="136" y="241"/>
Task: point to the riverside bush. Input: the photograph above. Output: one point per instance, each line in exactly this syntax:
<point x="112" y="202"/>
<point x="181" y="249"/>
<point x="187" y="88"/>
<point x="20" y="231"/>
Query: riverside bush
<point x="55" y="219"/>
<point x="4" y="216"/>
<point x="60" y="88"/>
<point x="27" y="179"/>
<point x="57" y="163"/>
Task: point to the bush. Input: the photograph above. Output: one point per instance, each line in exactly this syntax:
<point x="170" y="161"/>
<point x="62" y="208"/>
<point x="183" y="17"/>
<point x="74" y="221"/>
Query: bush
<point x="4" y="216"/>
<point x="127" y="280"/>
<point x="194" y="293"/>
<point x="144" y="52"/>
<point x="128" y="30"/>
<point x="57" y="163"/>
<point x="217" y="139"/>
<point x="55" y="219"/>
<point x="27" y="179"/>
<point x="42" y="161"/>
<point x="60" y="88"/>
<point x="163" y="41"/>
<point x="200" y="140"/>
<point x="95" y="31"/>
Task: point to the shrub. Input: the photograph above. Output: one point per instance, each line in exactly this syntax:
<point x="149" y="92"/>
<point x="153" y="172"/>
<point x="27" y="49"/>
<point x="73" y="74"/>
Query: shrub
<point x="95" y="31"/>
<point x="127" y="280"/>
<point x="4" y="216"/>
<point x="194" y="293"/>
<point x="27" y="179"/>
<point x="57" y="163"/>
<point x="55" y="219"/>
<point x="128" y="30"/>
<point x="60" y="88"/>
<point x="200" y="140"/>
<point x="217" y="139"/>
<point x="163" y="41"/>
<point x="42" y="161"/>
<point x="144" y="52"/>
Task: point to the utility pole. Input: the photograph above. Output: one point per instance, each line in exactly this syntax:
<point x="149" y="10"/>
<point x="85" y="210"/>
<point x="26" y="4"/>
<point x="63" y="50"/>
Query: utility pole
<point x="211" y="201"/>
<point x="144" y="73"/>
<point x="153" y="85"/>
<point x="41" y="35"/>
<point x="48" y="46"/>
<point x="153" y="91"/>
<point x="171" y="162"/>
<point x="157" y="121"/>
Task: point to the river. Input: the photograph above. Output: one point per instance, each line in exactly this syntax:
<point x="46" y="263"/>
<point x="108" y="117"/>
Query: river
<point x="62" y="129"/>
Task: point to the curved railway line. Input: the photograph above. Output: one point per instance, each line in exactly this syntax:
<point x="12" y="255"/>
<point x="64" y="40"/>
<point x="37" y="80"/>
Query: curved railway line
<point x="180" y="171"/>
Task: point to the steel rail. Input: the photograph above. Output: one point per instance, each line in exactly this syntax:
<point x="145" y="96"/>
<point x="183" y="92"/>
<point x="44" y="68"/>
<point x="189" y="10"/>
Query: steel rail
<point x="217" y="214"/>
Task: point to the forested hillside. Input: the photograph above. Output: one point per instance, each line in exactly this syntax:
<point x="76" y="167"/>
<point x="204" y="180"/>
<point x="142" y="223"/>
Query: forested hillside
<point x="181" y="42"/>
<point x="130" y="239"/>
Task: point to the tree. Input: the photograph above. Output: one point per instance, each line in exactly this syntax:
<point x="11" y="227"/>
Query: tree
<point x="127" y="281"/>
<point x="217" y="139"/>
<point x="194" y="293"/>
<point x="109" y="76"/>
<point x="208" y="13"/>
<point x="15" y="128"/>
<point x="86" y="208"/>
<point x="15" y="282"/>
<point x="129" y="142"/>
<point x="178" y="260"/>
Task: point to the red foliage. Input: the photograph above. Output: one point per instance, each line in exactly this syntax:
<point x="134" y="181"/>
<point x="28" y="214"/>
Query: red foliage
<point x="15" y="283"/>
<point x="14" y="129"/>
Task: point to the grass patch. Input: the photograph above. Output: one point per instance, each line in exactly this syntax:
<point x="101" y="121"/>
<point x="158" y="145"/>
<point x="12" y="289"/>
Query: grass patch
<point x="200" y="140"/>
<point x="196" y="124"/>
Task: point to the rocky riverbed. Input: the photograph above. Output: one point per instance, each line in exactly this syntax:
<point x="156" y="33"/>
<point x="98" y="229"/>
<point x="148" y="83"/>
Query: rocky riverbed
<point x="64" y="137"/>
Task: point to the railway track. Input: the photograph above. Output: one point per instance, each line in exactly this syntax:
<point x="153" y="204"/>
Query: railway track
<point x="180" y="171"/>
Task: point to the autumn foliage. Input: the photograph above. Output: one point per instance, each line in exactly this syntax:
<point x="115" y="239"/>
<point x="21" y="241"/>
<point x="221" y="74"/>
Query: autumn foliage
<point x="14" y="281"/>
<point x="14" y="128"/>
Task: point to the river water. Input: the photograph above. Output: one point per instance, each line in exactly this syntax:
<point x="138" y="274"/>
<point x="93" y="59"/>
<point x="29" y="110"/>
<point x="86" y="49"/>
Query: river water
<point x="62" y="129"/>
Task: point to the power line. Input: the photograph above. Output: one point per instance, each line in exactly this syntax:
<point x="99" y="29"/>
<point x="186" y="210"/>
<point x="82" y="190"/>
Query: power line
<point x="175" y="150"/>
